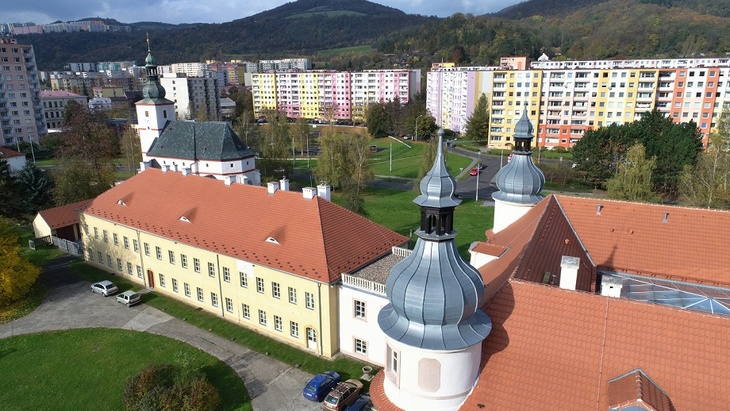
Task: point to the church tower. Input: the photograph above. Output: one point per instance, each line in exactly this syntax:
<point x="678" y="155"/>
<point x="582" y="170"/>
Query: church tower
<point x="433" y="324"/>
<point x="154" y="110"/>
<point x="519" y="182"/>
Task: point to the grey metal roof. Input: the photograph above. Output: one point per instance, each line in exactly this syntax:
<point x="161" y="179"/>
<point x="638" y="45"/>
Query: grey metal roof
<point x="153" y="92"/>
<point x="520" y="181"/>
<point x="437" y="187"/>
<point x="212" y="140"/>
<point x="523" y="128"/>
<point x="434" y="300"/>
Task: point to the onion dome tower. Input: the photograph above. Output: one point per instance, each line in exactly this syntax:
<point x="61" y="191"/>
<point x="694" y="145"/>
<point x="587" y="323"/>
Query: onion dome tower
<point x="154" y="110"/>
<point x="519" y="182"/>
<point x="434" y="325"/>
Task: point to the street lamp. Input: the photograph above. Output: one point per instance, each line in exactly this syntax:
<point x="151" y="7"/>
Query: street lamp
<point x="479" y="171"/>
<point x="417" y="118"/>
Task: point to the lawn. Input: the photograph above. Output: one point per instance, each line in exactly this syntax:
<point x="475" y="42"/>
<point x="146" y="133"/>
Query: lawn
<point x="347" y="50"/>
<point x="87" y="369"/>
<point x="407" y="156"/>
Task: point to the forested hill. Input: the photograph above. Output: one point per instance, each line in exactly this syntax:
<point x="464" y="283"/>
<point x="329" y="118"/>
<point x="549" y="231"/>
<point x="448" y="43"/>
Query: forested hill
<point x="531" y="8"/>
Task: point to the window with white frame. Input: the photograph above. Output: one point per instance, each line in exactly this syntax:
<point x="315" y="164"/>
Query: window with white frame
<point x="211" y="270"/>
<point x="294" y="329"/>
<point x="116" y="238"/>
<point x="106" y="237"/>
<point x="101" y="257"/>
<point x="275" y="290"/>
<point x="361" y="346"/>
<point x="226" y="275"/>
<point x="244" y="279"/>
<point x="162" y="280"/>
<point x="277" y="323"/>
<point x="214" y="299"/>
<point x="186" y="286"/>
<point x="130" y="270"/>
<point x="196" y="265"/>
<point x="119" y="264"/>
<point x="262" y="317"/>
<point x="184" y="261"/>
<point x="126" y="243"/>
<point x="96" y="233"/>
<point x="359" y="309"/>
<point x="309" y="300"/>
<point x="260" y="284"/>
<point x="158" y="252"/>
<point x="90" y="252"/>
<point x="292" y="295"/>
<point x="201" y="296"/>
<point x="139" y="271"/>
<point x="171" y="256"/>
<point x="246" y="311"/>
<point x="135" y="245"/>
<point x="229" y="305"/>
<point x="146" y="249"/>
<point x="109" y="260"/>
<point x="174" y="285"/>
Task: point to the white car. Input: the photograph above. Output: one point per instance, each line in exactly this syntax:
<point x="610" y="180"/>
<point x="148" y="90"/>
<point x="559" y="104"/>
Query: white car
<point x="105" y="288"/>
<point x="129" y="298"/>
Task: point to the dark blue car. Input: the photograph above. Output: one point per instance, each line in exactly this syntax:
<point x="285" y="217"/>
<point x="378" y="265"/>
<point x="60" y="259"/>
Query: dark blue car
<point x="320" y="385"/>
<point x="363" y="403"/>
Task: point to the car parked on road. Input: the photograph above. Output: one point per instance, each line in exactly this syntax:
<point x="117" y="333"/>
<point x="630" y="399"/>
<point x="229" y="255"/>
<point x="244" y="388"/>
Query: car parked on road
<point x="344" y="394"/>
<point x="474" y="171"/>
<point x="105" y="288"/>
<point x="362" y="403"/>
<point x="320" y="385"/>
<point x="129" y="298"/>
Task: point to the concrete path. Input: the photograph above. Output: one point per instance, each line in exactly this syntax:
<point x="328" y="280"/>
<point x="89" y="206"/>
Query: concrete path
<point x="70" y="304"/>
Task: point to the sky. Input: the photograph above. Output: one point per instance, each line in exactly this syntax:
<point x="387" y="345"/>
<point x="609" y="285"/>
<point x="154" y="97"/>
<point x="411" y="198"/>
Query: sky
<point x="205" y="11"/>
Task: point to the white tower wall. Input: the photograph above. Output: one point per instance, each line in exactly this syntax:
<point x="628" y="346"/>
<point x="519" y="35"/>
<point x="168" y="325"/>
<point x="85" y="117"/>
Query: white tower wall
<point x="507" y="213"/>
<point x="430" y="380"/>
<point x="151" y="120"/>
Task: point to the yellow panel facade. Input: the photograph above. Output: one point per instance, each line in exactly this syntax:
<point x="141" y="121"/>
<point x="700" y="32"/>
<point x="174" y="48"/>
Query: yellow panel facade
<point x="286" y="307"/>
<point x="264" y="93"/>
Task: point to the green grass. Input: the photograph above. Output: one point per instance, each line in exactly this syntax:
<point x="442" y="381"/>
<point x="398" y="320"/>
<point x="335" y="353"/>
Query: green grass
<point x="336" y="13"/>
<point x="87" y="369"/>
<point x="407" y="161"/>
<point x="347" y="50"/>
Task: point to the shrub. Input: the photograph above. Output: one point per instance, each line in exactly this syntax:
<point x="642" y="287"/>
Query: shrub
<point x="167" y="387"/>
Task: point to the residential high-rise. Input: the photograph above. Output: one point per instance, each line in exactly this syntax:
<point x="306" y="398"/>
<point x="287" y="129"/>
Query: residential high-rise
<point x="21" y="111"/>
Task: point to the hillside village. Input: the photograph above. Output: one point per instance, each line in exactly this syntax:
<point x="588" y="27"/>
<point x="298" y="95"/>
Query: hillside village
<point x="568" y="300"/>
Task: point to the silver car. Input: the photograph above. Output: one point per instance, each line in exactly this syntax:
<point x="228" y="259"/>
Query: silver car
<point x="105" y="288"/>
<point x="129" y="298"/>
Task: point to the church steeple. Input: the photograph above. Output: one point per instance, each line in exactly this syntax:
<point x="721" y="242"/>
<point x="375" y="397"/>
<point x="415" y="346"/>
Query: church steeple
<point x="153" y="90"/>
<point x="154" y="110"/>
<point x="434" y="324"/>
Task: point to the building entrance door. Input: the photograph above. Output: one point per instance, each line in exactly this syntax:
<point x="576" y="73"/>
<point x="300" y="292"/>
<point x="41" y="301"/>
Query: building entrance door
<point x="150" y="279"/>
<point x="311" y="339"/>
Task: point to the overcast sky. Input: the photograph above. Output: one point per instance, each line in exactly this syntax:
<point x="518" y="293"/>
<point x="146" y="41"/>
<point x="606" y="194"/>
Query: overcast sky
<point x="204" y="11"/>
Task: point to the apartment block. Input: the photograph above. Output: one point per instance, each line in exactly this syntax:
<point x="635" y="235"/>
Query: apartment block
<point x="54" y="106"/>
<point x="193" y="96"/>
<point x="21" y="110"/>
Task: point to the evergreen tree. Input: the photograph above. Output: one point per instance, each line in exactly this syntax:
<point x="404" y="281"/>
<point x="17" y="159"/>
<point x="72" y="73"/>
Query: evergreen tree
<point x="632" y="181"/>
<point x="11" y="193"/>
<point x="37" y="188"/>
<point x="379" y="123"/>
<point x="477" y="125"/>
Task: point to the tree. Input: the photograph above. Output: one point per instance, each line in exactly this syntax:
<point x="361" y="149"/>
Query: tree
<point x="477" y="125"/>
<point x="632" y="181"/>
<point x="344" y="162"/>
<point x="17" y="275"/>
<point x="427" y="158"/>
<point x="86" y="157"/>
<point x="300" y="134"/>
<point x="11" y="193"/>
<point x="37" y="187"/>
<point x="274" y="160"/>
<point x="169" y="387"/>
<point x="706" y="184"/>
<point x="131" y="149"/>
<point x="379" y="124"/>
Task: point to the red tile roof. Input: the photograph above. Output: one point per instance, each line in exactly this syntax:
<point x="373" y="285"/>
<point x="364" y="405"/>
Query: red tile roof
<point x="636" y="389"/>
<point x="7" y="153"/>
<point x="64" y="216"/>
<point x="311" y="238"/>
<point x="555" y="349"/>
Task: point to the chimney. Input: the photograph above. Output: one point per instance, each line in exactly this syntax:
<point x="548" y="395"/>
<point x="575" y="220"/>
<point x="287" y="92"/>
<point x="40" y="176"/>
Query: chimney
<point x="569" y="272"/>
<point x="309" y="193"/>
<point x="228" y="180"/>
<point x="284" y="184"/>
<point x="144" y="165"/>
<point x="174" y="168"/>
<point x="243" y="179"/>
<point x="323" y="190"/>
<point x="185" y="171"/>
<point x="273" y="187"/>
<point x="611" y="286"/>
<point x="165" y="168"/>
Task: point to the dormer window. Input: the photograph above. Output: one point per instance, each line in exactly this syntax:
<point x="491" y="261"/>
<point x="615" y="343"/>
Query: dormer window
<point x="121" y="202"/>
<point x="271" y="240"/>
<point x="184" y="219"/>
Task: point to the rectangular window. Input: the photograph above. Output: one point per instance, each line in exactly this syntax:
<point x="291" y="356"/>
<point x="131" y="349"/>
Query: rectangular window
<point x="130" y="270"/>
<point x="186" y="286"/>
<point x="135" y="244"/>
<point x="244" y="279"/>
<point x="201" y="297"/>
<point x="196" y="265"/>
<point x="174" y="285"/>
<point x="96" y="233"/>
<point x="158" y="252"/>
<point x="109" y="260"/>
<point x="101" y="258"/>
<point x="361" y="346"/>
<point x="116" y="239"/>
<point x="162" y="280"/>
<point x="246" y="311"/>
<point x="126" y="243"/>
<point x="139" y="271"/>
<point x="214" y="299"/>
<point x="229" y="305"/>
<point x="211" y="270"/>
<point x="394" y="362"/>
<point x="262" y="317"/>
<point x="309" y="300"/>
<point x="359" y="309"/>
<point x="277" y="323"/>
<point x="292" y="295"/>
<point x="294" y="329"/>
<point x="171" y="256"/>
<point x="91" y="254"/>
<point x="146" y="249"/>
<point x="260" y="284"/>
<point x="119" y="264"/>
<point x="275" y="290"/>
<point x="184" y="260"/>
<point x="106" y="237"/>
<point x="226" y="275"/>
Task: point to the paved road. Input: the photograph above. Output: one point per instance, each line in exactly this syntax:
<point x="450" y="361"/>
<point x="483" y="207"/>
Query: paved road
<point x="70" y="304"/>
